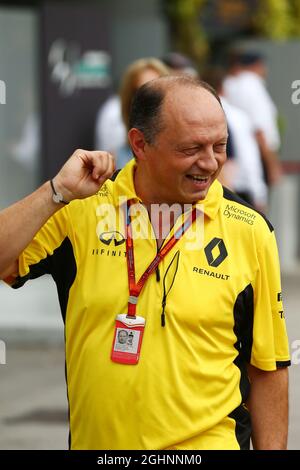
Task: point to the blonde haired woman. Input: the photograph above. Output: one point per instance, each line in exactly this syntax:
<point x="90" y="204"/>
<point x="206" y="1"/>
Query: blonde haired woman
<point x="137" y="74"/>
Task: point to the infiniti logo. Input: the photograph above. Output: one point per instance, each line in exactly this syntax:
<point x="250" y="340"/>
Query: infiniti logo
<point x="108" y="237"/>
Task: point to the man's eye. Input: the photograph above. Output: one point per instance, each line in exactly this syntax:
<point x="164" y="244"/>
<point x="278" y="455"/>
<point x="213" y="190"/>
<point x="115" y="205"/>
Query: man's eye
<point x="191" y="151"/>
<point x="220" y="147"/>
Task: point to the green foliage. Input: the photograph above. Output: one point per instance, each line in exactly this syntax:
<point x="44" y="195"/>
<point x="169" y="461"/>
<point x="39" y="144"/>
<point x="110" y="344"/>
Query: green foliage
<point x="188" y="36"/>
<point x="278" y="19"/>
<point x="273" y="19"/>
<point x="295" y="18"/>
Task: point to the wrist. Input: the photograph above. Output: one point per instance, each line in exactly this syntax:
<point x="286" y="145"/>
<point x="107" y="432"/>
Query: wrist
<point x="57" y="196"/>
<point x="46" y="196"/>
<point x="65" y="195"/>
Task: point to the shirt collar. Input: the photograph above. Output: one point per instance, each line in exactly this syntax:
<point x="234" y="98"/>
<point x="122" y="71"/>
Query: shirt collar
<point x="211" y="204"/>
<point x="124" y="190"/>
<point x="124" y="184"/>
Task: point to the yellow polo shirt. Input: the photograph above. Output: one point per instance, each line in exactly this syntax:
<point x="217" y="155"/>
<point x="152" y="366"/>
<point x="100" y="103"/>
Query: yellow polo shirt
<point x="223" y="310"/>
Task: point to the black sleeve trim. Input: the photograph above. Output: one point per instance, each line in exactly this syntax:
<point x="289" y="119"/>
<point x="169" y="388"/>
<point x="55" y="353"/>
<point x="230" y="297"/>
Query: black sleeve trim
<point x="35" y="271"/>
<point x="235" y="198"/>
<point x="61" y="265"/>
<point x="281" y="364"/>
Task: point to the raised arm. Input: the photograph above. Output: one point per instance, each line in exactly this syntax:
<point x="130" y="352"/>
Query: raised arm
<point x="270" y="158"/>
<point x="81" y="176"/>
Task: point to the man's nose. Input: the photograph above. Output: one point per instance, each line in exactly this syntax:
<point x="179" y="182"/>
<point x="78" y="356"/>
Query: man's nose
<point x="207" y="160"/>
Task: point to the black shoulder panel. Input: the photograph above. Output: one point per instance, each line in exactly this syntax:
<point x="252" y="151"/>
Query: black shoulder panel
<point x="243" y="313"/>
<point x="113" y="177"/>
<point x="62" y="266"/>
<point x="63" y="270"/>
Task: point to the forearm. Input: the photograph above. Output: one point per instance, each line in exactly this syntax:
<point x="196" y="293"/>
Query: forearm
<point x="269" y="157"/>
<point x="268" y="405"/>
<point x="20" y="222"/>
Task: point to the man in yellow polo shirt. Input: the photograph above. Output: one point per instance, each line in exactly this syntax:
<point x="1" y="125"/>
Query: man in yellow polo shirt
<point x="182" y="265"/>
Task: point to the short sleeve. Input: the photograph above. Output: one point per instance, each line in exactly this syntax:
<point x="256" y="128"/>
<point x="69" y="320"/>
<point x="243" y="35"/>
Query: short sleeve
<point x="35" y="260"/>
<point x="270" y="348"/>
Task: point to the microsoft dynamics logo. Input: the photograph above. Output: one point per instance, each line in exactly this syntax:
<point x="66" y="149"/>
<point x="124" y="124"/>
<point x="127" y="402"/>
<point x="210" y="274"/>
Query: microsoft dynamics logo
<point x="2" y="92"/>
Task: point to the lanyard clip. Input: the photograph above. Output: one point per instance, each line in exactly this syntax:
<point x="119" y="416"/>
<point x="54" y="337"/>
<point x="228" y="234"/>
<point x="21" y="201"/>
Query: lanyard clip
<point x="133" y="299"/>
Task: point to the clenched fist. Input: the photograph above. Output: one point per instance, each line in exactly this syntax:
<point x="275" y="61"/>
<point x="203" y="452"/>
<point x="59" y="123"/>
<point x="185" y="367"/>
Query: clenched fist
<point x="84" y="173"/>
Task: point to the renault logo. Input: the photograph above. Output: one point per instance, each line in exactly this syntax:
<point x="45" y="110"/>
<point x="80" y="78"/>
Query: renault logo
<point x="108" y="237"/>
<point x="215" y="252"/>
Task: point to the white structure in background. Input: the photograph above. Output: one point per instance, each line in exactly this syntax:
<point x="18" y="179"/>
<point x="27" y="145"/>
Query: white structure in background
<point x="2" y="92"/>
<point x="73" y="70"/>
<point x="27" y="150"/>
<point x="285" y="214"/>
<point x="2" y="353"/>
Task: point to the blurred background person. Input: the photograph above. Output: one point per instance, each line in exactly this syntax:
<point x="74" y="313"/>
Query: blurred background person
<point x="179" y="64"/>
<point x="245" y="88"/>
<point x="243" y="173"/>
<point x="27" y="149"/>
<point x="227" y="174"/>
<point x="112" y="119"/>
<point x="110" y="132"/>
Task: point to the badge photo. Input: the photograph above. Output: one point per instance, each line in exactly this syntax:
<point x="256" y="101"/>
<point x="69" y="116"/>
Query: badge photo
<point x="127" y="339"/>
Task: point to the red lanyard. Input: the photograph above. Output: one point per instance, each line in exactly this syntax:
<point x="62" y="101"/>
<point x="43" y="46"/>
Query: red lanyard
<point x="135" y="288"/>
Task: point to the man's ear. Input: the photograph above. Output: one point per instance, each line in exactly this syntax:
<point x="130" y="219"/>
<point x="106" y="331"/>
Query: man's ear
<point x="137" y="142"/>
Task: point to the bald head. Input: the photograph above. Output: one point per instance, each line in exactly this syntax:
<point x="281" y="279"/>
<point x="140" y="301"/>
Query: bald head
<point x="149" y="102"/>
